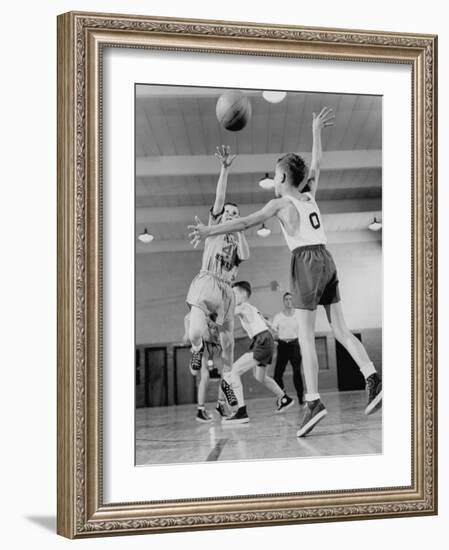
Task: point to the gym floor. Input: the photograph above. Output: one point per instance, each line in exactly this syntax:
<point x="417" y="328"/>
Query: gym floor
<point x="169" y="435"/>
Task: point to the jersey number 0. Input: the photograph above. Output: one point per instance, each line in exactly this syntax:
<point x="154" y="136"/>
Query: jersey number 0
<point x="314" y="220"/>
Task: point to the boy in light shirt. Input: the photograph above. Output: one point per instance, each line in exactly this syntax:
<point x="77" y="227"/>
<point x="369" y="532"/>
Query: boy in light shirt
<point x="258" y="357"/>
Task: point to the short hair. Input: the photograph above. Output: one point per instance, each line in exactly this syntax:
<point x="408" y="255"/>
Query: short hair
<point x="231" y="204"/>
<point x="294" y="166"/>
<point x="244" y="285"/>
<point x="286" y="294"/>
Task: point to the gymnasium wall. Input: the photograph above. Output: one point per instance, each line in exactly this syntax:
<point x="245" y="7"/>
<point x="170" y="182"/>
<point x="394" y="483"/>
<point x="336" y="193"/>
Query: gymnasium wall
<point x="162" y="281"/>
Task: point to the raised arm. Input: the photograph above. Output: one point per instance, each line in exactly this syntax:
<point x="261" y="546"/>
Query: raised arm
<point x="223" y="154"/>
<point x="185" y="338"/>
<point x="199" y="231"/>
<point x="320" y="121"/>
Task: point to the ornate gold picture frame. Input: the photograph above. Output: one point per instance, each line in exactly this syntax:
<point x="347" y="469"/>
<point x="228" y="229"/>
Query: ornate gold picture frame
<point x="82" y="40"/>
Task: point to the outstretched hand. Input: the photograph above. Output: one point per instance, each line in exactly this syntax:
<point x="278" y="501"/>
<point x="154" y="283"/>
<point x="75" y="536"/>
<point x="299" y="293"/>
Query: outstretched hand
<point x="223" y="154"/>
<point x="198" y="232"/>
<point x="324" y="118"/>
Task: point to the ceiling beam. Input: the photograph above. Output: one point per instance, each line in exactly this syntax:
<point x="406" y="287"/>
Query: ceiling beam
<point x="178" y="245"/>
<point x="173" y="214"/>
<point x="198" y="165"/>
<point x="162" y="92"/>
<point x="248" y="183"/>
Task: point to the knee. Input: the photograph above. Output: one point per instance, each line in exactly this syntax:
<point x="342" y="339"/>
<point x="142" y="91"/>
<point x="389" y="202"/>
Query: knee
<point x="259" y="375"/>
<point x="195" y="331"/>
<point x="306" y="341"/>
<point x="341" y="334"/>
<point x="194" y="334"/>
<point x="235" y="377"/>
<point x="228" y="345"/>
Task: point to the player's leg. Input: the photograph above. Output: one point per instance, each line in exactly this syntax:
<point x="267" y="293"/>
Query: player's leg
<point x="316" y="411"/>
<point x="283" y="401"/>
<point x="202" y="414"/>
<point x="306" y="273"/>
<point x="221" y="399"/>
<point x="227" y="345"/>
<point x="306" y="338"/>
<point x="295" y="361"/>
<point x="281" y="363"/>
<point x="227" y="307"/>
<point x="262" y="347"/>
<point x="243" y="364"/>
<point x="358" y="352"/>
<point x="260" y="374"/>
<point x="197" y="327"/>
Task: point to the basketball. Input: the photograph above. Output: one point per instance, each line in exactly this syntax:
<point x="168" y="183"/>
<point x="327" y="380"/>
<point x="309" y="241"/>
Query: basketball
<point x="233" y="110"/>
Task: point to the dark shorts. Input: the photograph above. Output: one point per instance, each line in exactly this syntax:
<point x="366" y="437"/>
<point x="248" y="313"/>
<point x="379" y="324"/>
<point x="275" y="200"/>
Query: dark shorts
<point x="314" y="279"/>
<point x="262" y="346"/>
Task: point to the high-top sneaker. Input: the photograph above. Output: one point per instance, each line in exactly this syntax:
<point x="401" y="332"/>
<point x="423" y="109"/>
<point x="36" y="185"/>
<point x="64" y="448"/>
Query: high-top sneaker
<point x="374" y="387"/>
<point x="239" y="417"/>
<point x="315" y="412"/>
<point x="229" y="393"/>
<point x="284" y="403"/>
<point x="221" y="409"/>
<point x="195" y="361"/>
<point x="203" y="416"/>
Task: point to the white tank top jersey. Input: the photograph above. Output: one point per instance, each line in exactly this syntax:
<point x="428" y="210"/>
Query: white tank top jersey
<point x="252" y="320"/>
<point x="310" y="230"/>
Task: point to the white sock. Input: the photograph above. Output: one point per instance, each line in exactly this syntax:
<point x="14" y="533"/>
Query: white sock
<point x="368" y="369"/>
<point x="236" y="385"/>
<point x="312" y="396"/>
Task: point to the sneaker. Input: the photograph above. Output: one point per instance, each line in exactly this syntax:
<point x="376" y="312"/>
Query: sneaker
<point x="315" y="412"/>
<point x="374" y="387"/>
<point x="229" y="393"/>
<point x="195" y="361"/>
<point x="221" y="409"/>
<point x="203" y="416"/>
<point x="239" y="417"/>
<point x="284" y="403"/>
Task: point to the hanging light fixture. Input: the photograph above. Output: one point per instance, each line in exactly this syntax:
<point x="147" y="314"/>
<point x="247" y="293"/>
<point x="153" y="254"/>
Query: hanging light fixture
<point x="266" y="182"/>
<point x="375" y="225"/>
<point x="145" y="237"/>
<point x="274" y="97"/>
<point x="263" y="231"/>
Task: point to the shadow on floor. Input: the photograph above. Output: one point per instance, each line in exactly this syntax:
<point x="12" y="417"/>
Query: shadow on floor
<point x="46" y="522"/>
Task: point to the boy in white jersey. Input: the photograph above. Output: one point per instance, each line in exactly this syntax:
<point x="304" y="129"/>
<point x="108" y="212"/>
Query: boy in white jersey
<point x="314" y="279"/>
<point x="257" y="359"/>
<point x="210" y="293"/>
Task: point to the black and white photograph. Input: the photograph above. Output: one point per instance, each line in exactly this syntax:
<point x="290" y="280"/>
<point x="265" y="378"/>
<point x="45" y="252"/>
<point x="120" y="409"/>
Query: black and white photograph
<point x="258" y="274"/>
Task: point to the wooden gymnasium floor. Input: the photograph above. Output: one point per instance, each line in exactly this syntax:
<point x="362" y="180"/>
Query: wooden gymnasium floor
<point x="167" y="435"/>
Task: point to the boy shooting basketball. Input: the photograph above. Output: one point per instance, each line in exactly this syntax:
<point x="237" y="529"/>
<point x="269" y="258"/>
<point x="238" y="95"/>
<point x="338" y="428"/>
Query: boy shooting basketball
<point x="257" y="359"/>
<point x="314" y="279"/>
<point x="210" y="293"/>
